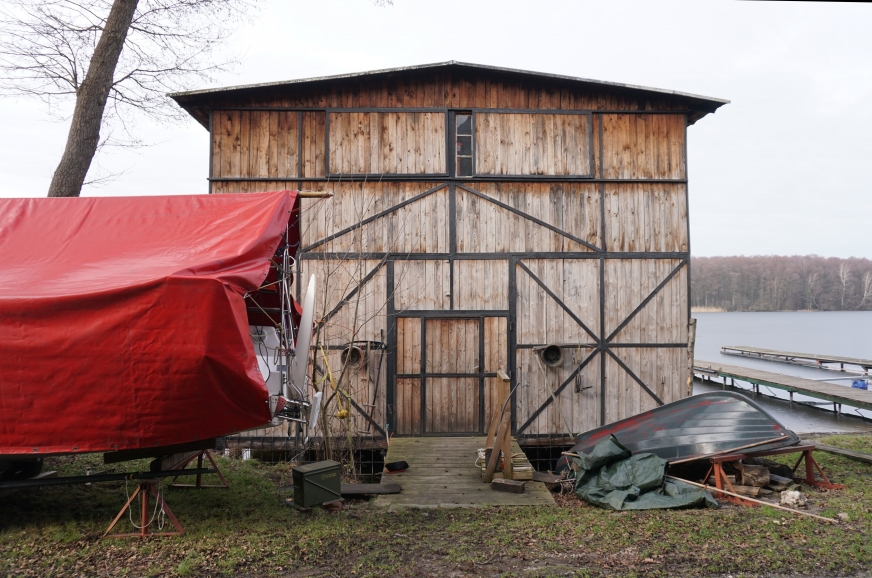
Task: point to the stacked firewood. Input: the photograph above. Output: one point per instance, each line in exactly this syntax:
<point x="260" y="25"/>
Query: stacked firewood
<point x="757" y="478"/>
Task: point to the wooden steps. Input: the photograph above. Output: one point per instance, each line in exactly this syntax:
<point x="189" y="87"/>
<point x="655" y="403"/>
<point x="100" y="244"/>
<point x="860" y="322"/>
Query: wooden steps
<point x="442" y="473"/>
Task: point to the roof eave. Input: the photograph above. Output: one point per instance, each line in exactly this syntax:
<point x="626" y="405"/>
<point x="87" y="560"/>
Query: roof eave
<point x="189" y="100"/>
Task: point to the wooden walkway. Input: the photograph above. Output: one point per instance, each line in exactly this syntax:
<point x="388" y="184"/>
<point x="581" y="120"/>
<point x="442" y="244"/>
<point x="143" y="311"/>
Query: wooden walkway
<point x="442" y="473"/>
<point x="838" y="394"/>
<point x="808" y="359"/>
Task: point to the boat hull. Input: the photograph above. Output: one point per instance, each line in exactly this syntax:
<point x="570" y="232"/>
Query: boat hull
<point x="694" y="426"/>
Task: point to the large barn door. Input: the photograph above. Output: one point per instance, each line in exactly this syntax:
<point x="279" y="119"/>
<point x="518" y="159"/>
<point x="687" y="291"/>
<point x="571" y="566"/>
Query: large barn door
<point x="447" y="373"/>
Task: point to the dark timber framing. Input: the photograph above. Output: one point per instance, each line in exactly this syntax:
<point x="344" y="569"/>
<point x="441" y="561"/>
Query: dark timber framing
<point x="600" y="347"/>
<point x="448" y="175"/>
<point x="640" y="148"/>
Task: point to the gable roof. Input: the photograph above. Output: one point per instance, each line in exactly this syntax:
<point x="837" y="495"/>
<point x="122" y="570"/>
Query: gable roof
<point x="193" y="100"/>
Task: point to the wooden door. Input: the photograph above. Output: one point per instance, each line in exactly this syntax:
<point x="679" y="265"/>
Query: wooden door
<point x="451" y="372"/>
<point x="447" y="373"/>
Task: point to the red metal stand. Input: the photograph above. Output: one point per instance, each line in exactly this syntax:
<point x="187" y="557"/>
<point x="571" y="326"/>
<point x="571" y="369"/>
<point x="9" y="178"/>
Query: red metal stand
<point x="143" y="490"/>
<point x="199" y="483"/>
<point x="810" y="466"/>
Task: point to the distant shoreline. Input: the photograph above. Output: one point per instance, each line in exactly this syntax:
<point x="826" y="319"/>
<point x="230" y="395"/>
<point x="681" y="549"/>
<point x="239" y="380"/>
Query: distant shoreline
<point x="778" y="283"/>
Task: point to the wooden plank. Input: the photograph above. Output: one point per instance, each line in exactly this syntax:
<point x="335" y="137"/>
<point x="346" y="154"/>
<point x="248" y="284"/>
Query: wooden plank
<point x="313" y="144"/>
<point x="792" y="356"/>
<point x="219" y="142"/>
<point x="387" y="143"/>
<point x="354" y="202"/>
<point x="532" y="144"/>
<point x="408" y="406"/>
<point x="244" y="169"/>
<point x="283" y="143"/>
<point x="638" y="146"/>
<point x="481" y="284"/>
<point x="631" y="281"/>
<point x="485" y="227"/>
<point x="258" y="154"/>
<point x="858" y="456"/>
<point x="370" y="489"/>
<point x="646" y="217"/>
<point x="231" y="154"/>
<point x="511" y="486"/>
<point x="409" y="345"/>
<point x="421" y="285"/>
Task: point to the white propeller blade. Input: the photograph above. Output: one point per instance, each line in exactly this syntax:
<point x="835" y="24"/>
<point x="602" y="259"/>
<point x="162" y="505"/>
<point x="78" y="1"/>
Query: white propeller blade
<point x="300" y="364"/>
<point x="314" y="409"/>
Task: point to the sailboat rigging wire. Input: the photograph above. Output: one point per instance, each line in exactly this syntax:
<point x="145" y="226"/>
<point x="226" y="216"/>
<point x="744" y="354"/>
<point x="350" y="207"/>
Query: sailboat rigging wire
<point x="248" y="296"/>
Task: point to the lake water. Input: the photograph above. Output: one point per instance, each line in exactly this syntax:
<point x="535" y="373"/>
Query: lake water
<point x="845" y="333"/>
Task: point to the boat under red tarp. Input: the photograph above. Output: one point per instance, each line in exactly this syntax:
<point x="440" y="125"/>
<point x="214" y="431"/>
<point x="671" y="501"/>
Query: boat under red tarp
<point x="123" y="323"/>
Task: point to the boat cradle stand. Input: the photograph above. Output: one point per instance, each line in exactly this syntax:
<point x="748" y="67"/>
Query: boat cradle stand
<point x="199" y="483"/>
<point x="810" y="466"/>
<point x="144" y="489"/>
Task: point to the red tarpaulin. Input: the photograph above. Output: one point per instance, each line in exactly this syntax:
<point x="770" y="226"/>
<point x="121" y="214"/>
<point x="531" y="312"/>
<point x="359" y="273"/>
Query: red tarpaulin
<point x="123" y="323"/>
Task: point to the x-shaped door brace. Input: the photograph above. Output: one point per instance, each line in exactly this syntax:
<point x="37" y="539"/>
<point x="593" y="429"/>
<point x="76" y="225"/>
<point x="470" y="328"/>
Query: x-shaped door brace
<point x="602" y="344"/>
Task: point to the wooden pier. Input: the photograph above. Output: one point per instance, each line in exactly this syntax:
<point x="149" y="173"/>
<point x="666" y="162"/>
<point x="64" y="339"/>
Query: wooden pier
<point x="442" y="473"/>
<point x="837" y="394"/>
<point x="817" y="360"/>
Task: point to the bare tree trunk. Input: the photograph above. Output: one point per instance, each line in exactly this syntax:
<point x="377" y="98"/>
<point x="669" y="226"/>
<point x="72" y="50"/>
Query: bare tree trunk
<point x="844" y="275"/>
<point x="91" y="99"/>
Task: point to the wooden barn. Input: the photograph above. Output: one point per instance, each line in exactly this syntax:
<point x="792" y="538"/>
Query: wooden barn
<point x="478" y="216"/>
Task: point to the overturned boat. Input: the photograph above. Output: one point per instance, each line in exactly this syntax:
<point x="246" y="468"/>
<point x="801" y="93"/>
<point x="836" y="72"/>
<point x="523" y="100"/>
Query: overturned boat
<point x="700" y="425"/>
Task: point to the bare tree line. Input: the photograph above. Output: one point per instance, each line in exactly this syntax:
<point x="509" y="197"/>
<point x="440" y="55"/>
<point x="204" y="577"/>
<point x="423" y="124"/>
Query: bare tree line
<point x="774" y="283"/>
<point x="114" y="60"/>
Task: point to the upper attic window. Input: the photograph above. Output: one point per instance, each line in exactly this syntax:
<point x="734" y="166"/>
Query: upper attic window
<point x="463" y="149"/>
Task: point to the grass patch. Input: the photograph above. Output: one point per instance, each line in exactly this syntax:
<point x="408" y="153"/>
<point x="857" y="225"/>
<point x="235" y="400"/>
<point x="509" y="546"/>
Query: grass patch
<point x="248" y="531"/>
<point x="857" y="443"/>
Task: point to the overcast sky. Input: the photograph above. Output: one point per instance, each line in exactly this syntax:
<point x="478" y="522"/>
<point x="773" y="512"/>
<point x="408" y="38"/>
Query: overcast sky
<point x="784" y="169"/>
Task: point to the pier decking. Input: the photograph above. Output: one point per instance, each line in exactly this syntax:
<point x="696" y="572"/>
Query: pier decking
<point x="837" y="394"/>
<point x="807" y="359"/>
<point x="442" y="473"/>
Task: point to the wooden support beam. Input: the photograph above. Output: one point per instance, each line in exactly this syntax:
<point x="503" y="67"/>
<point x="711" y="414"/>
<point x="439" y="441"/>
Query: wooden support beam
<point x="314" y="194"/>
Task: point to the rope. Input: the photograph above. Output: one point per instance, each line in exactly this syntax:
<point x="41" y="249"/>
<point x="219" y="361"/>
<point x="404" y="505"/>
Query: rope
<point x="157" y="502"/>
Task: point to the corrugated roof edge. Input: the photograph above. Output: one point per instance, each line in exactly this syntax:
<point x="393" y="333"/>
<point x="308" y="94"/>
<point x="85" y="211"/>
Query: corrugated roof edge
<point x="190" y="93"/>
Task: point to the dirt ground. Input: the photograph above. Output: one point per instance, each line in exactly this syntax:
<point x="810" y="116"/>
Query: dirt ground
<point x="248" y="531"/>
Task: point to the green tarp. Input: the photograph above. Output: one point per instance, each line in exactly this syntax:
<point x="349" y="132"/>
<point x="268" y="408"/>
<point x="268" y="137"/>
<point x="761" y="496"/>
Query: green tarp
<point x="611" y="477"/>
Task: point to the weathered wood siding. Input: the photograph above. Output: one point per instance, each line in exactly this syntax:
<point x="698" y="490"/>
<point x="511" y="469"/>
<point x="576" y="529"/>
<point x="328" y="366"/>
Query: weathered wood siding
<point x="345" y="223"/>
<point x="646" y="217"/>
<point x="564" y="213"/>
<point x="639" y="146"/>
<point x="443" y="90"/>
<point x="387" y="143"/>
<point x="573" y="231"/>
<point x="532" y="144"/>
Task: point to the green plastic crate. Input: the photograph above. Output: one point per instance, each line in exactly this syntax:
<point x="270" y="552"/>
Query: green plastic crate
<point x="317" y="483"/>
